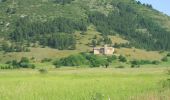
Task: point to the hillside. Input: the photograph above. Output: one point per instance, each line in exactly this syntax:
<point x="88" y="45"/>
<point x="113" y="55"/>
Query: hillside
<point x="59" y="28"/>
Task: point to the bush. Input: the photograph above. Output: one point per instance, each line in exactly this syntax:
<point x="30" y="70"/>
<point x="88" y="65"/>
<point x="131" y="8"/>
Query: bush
<point x="111" y="58"/>
<point x="6" y="67"/>
<point x="168" y="55"/>
<point x="168" y="72"/>
<point x="166" y="84"/>
<point x="46" y="60"/>
<point x="32" y="66"/>
<point x="135" y="66"/>
<point x="122" y="58"/>
<point x="164" y="59"/>
<point x="23" y="63"/>
<point x="83" y="59"/>
<point x="43" y="71"/>
<point x="57" y="63"/>
<point x="155" y="62"/>
<point x="120" y="66"/>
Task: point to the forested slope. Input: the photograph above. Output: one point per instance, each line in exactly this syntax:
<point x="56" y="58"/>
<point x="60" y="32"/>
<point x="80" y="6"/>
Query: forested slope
<point x="45" y="21"/>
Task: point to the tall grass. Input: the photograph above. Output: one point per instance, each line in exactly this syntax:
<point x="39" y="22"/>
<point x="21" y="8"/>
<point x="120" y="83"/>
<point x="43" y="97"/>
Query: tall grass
<point x="82" y="84"/>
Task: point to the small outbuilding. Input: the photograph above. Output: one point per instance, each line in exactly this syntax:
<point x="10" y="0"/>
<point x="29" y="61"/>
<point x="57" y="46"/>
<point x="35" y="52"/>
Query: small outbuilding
<point x="103" y="50"/>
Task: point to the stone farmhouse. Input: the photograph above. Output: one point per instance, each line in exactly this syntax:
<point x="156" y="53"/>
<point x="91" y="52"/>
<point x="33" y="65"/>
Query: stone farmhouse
<point x="103" y="50"/>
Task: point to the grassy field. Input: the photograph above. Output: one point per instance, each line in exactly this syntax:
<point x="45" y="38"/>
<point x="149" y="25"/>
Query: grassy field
<point x="84" y="84"/>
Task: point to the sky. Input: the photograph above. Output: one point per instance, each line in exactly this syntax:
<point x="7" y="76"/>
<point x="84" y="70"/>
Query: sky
<point x="161" y="5"/>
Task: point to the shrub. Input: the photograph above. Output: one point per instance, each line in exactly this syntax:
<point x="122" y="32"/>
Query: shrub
<point x="73" y="60"/>
<point x="120" y="66"/>
<point x="166" y="83"/>
<point x="132" y="66"/>
<point x="43" y="71"/>
<point x="135" y="66"/>
<point x="164" y="59"/>
<point x="23" y="63"/>
<point x="111" y="58"/>
<point x="32" y="66"/>
<point x="46" y="60"/>
<point x="135" y="62"/>
<point x="155" y="62"/>
<point x="168" y="55"/>
<point x="98" y="96"/>
<point x="84" y="59"/>
<point x="122" y="58"/>
<point x="6" y="67"/>
<point x="143" y="62"/>
<point x="168" y="72"/>
<point x="57" y="63"/>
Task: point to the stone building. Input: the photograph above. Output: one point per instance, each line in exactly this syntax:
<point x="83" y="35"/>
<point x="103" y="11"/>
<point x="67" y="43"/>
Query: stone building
<point x="103" y="50"/>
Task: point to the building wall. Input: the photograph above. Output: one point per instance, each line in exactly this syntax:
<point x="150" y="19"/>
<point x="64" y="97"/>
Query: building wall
<point x="104" y="51"/>
<point x="109" y="51"/>
<point x="96" y="51"/>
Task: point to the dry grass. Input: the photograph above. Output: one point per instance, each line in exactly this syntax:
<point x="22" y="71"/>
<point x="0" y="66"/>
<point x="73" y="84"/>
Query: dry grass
<point x="117" y="39"/>
<point x="139" y="54"/>
<point x="38" y="54"/>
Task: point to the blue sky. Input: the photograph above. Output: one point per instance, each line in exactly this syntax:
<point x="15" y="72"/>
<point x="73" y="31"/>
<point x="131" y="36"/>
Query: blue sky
<point x="161" y="5"/>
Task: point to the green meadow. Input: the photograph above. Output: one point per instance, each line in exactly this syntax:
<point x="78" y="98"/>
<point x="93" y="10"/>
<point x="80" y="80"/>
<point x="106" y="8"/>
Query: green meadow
<point x="85" y="84"/>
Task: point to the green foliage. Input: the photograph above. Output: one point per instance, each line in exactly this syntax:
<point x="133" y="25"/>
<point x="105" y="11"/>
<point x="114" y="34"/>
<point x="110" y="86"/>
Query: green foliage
<point x="98" y="96"/>
<point x="63" y="2"/>
<point x="6" y="47"/>
<point x="168" y="71"/>
<point x="120" y="67"/>
<point x="164" y="59"/>
<point x="126" y="21"/>
<point x="94" y="60"/>
<point x="101" y="41"/>
<point x="124" y="45"/>
<point x="11" y="11"/>
<point x="137" y="63"/>
<point x="6" y="67"/>
<point x="107" y="40"/>
<point x="110" y="59"/>
<point x="155" y="62"/>
<point x="3" y="0"/>
<point x="122" y="58"/>
<point x="43" y="71"/>
<point x="46" y="60"/>
<point x="55" y="33"/>
<point x="23" y="63"/>
<point x="85" y="59"/>
<point x="73" y="60"/>
<point x="59" y="41"/>
<point x="94" y="43"/>
<point x="166" y="84"/>
<point x="66" y="16"/>
<point x="168" y="55"/>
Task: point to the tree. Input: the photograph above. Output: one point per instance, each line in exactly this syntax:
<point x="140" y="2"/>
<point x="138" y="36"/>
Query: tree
<point x="122" y="58"/>
<point x="94" y="43"/>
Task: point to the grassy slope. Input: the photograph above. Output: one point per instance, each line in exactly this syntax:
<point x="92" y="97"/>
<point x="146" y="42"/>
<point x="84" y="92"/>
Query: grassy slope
<point x="83" y="84"/>
<point x="82" y="41"/>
